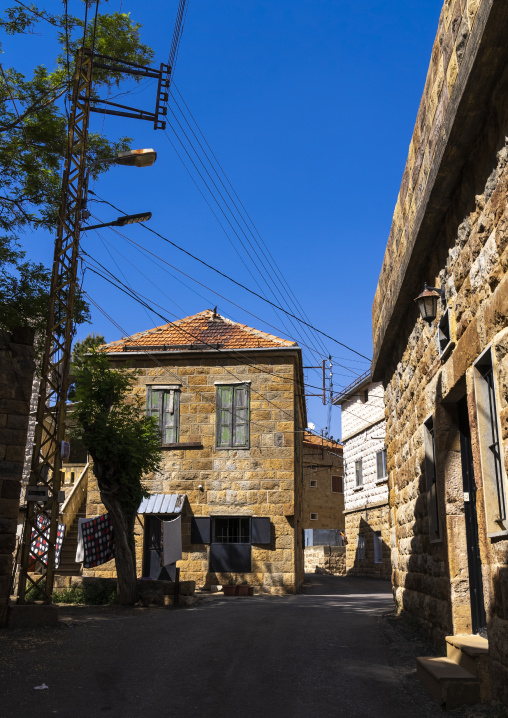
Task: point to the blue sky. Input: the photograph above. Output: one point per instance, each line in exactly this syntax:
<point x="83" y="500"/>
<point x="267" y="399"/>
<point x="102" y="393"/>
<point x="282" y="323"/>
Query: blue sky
<point x="309" y="106"/>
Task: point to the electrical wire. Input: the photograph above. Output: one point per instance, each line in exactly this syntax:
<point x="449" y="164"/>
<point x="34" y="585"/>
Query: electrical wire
<point x="234" y="281"/>
<point x="276" y="269"/>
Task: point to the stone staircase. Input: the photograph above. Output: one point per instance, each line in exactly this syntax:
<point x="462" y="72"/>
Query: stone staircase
<point x="462" y="678"/>
<point x="68" y="565"/>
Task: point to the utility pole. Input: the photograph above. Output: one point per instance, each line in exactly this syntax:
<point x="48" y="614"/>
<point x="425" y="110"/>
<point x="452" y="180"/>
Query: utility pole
<point x="42" y="515"/>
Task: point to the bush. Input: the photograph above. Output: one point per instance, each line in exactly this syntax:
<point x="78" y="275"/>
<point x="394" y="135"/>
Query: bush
<point x="96" y="593"/>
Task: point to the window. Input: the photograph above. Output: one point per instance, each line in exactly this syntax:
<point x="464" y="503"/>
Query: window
<point x="231" y="530"/>
<point x="233" y="416"/>
<point x="444" y="333"/>
<point x="337" y="486"/>
<point x="313" y="483"/>
<point x="231" y="539"/>
<point x="359" y="473"/>
<point x="378" y="547"/>
<point x="381" y="465"/>
<point x="360" y="547"/>
<point x="494" y="480"/>
<point x="164" y="404"/>
<point x="313" y="517"/>
<point x="431" y="481"/>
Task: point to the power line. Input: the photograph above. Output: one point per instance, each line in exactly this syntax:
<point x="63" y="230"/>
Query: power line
<point x="142" y="249"/>
<point x="274" y="279"/>
<point x="238" y="284"/>
<point x="244" y="209"/>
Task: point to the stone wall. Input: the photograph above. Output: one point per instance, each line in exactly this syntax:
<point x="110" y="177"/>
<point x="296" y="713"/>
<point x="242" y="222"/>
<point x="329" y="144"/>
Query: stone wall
<point x="464" y="249"/>
<point x="325" y="559"/>
<point x="318" y="468"/>
<point x="264" y="480"/>
<point x="364" y="523"/>
<point x="16" y="374"/>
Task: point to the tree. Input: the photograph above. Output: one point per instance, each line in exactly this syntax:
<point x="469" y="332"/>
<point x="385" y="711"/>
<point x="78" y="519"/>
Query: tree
<point x="79" y="353"/>
<point x="124" y="445"/>
<point x="33" y="134"/>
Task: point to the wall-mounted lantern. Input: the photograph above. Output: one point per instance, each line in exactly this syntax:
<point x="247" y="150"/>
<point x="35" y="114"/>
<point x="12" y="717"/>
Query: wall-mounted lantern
<point x="427" y="302"/>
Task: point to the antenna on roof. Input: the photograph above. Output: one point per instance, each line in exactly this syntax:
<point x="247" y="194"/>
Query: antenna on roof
<point x="214" y="316"/>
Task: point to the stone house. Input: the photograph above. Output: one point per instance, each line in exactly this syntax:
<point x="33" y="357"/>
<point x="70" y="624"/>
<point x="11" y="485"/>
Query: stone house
<point x="446" y="379"/>
<point x="323" y="487"/>
<point x="230" y="404"/>
<point x="365" y="478"/>
<point x="323" y="504"/>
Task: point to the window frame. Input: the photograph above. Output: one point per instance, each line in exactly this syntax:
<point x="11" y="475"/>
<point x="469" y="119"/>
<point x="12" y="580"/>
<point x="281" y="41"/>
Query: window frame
<point x="378" y="547"/>
<point x="495" y="486"/>
<point x="384" y="477"/>
<point x="165" y="389"/>
<point x="431" y="483"/>
<point x="361" y="553"/>
<point x="313" y="483"/>
<point x="341" y="484"/>
<point x="314" y="516"/>
<point x="235" y="386"/>
<point x="359" y="465"/>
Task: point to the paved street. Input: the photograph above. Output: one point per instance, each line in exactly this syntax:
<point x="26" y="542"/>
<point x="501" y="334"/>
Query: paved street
<point x="329" y="651"/>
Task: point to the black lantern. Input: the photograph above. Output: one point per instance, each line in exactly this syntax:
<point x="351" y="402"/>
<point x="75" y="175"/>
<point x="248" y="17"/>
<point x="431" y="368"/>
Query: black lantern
<point x="427" y="302"/>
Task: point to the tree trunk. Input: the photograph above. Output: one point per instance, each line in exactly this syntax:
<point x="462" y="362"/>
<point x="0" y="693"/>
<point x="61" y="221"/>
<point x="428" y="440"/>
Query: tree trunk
<point x="125" y="555"/>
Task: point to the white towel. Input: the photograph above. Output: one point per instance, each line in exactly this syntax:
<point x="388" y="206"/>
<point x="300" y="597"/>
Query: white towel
<point x="171" y="541"/>
<point x="80" y="551"/>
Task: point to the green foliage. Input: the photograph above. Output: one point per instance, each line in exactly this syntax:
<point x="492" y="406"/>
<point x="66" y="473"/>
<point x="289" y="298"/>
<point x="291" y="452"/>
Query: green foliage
<point x="33" y="136"/>
<point x="124" y="443"/>
<point x="93" y="593"/>
<point x="79" y="351"/>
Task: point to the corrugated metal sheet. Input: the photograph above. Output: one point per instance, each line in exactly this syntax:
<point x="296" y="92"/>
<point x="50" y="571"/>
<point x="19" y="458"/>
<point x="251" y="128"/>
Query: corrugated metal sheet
<point x="162" y="504"/>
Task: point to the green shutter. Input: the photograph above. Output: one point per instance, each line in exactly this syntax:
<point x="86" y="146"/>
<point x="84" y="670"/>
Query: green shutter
<point x="224" y="415"/>
<point x="170" y="416"/>
<point x="241" y="416"/>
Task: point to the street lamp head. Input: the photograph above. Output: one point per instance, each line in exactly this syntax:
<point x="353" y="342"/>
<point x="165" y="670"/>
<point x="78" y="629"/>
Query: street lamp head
<point x="136" y="158"/>
<point x="427" y="302"/>
<point x="133" y="219"/>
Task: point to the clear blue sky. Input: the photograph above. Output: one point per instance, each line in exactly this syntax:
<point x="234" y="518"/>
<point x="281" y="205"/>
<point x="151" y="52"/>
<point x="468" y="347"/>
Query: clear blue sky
<point x="309" y="106"/>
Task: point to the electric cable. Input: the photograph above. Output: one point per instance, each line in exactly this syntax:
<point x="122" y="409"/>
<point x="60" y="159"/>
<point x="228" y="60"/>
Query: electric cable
<point x="234" y="281"/>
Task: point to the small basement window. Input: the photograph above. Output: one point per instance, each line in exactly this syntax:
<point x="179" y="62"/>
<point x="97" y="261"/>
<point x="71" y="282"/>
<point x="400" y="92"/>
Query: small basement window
<point x="313" y="517"/>
<point x="313" y="483"/>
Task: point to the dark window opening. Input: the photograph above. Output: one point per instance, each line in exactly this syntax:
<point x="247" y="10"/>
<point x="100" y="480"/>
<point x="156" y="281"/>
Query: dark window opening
<point x="444" y="335"/>
<point x="431" y="479"/>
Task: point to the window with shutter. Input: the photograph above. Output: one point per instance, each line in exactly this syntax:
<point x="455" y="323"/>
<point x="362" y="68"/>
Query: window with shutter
<point x="337" y="487"/>
<point x="232" y="416"/>
<point x="164" y="405"/>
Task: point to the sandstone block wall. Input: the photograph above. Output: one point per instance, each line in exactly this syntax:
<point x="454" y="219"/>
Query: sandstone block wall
<point x="325" y="559"/>
<point x="319" y="466"/>
<point x="364" y="523"/>
<point x="263" y="480"/>
<point x="16" y="374"/>
<point x="468" y="257"/>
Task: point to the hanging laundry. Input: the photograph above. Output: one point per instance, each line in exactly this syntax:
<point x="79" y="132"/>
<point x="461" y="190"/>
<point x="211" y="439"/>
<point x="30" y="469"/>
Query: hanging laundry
<point x="98" y="545"/>
<point x="39" y="543"/>
<point x="171" y="541"/>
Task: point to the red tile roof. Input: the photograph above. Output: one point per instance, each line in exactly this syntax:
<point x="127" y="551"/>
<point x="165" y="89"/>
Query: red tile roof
<point x="206" y="330"/>
<point x="317" y="442"/>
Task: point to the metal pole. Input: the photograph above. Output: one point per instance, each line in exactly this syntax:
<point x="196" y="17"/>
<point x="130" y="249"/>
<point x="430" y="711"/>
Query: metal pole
<point x="42" y="518"/>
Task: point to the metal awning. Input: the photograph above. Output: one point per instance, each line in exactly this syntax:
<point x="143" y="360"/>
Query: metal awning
<point x="162" y="504"/>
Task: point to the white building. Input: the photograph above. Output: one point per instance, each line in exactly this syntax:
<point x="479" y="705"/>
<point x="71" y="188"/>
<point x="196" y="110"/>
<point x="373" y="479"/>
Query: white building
<point x="365" y="478"/>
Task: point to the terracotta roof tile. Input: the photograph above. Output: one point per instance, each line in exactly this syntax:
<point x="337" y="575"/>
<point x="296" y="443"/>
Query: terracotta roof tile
<point x="316" y="441"/>
<point x="205" y="330"/>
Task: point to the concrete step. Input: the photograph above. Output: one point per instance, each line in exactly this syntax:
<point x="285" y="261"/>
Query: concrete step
<point x="448" y="683"/>
<point x="471" y="653"/>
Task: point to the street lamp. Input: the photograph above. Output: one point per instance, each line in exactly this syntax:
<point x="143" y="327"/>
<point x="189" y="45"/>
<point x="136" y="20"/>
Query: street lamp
<point x="427" y="302"/>
<point x="122" y="221"/>
<point x="131" y="158"/>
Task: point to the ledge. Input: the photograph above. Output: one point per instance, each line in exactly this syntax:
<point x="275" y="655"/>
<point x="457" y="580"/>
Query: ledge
<point x="184" y="445"/>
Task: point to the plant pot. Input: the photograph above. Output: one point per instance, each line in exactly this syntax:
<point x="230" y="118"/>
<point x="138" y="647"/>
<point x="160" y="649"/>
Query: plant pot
<point x="243" y="590"/>
<point x="229" y="590"/>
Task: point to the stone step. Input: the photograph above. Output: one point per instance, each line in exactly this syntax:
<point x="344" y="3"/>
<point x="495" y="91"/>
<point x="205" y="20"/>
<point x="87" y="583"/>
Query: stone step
<point x="448" y="683"/>
<point x="471" y="653"/>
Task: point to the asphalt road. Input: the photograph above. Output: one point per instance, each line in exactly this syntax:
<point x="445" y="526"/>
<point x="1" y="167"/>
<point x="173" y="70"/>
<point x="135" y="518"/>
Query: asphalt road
<point x="329" y="651"/>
